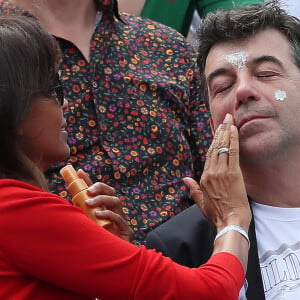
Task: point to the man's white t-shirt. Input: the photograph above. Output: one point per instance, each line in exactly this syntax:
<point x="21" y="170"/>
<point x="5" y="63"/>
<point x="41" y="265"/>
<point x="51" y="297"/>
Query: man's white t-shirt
<point x="278" y="242"/>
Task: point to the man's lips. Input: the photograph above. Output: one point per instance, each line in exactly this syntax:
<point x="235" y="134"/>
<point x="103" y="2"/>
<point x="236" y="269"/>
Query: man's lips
<point x="247" y="119"/>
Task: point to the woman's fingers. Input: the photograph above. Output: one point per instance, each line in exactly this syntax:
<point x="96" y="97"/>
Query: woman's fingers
<point x="108" y="202"/>
<point x="118" y="225"/>
<point x="85" y="176"/>
<point x="224" y="196"/>
<point x="220" y="143"/>
<point x="234" y="153"/>
<point x="195" y="190"/>
<point x="100" y="188"/>
<point x="104" y="197"/>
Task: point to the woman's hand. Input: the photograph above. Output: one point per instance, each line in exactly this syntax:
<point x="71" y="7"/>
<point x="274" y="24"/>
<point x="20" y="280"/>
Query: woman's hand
<point x="222" y="195"/>
<point x="103" y="195"/>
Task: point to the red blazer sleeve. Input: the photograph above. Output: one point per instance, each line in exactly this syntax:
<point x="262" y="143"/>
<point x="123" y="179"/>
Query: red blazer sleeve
<point x="47" y="238"/>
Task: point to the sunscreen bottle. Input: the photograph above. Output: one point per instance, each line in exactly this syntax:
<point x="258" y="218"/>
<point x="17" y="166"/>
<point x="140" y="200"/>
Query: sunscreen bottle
<point x="77" y="187"/>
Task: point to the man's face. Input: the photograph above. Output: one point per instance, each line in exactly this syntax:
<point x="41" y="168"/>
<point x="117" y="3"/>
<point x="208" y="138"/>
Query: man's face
<point x="257" y="81"/>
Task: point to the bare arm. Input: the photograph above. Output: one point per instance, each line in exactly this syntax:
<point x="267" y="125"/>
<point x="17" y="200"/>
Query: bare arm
<point x="221" y="195"/>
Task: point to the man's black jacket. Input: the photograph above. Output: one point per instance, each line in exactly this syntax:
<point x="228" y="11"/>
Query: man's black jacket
<point x="188" y="239"/>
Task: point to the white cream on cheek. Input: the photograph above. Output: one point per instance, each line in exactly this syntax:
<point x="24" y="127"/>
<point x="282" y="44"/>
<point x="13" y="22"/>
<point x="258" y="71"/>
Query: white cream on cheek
<point x="280" y="95"/>
<point x="237" y="58"/>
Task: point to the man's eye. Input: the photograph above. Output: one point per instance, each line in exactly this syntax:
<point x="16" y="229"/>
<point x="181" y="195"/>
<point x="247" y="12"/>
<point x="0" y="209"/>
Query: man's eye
<point x="222" y="88"/>
<point x="266" y="74"/>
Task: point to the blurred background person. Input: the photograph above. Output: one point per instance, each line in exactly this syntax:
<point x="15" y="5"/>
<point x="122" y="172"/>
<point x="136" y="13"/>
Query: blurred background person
<point x="136" y="117"/>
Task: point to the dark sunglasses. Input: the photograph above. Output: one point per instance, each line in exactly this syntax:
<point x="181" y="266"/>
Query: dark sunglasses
<point x="57" y="90"/>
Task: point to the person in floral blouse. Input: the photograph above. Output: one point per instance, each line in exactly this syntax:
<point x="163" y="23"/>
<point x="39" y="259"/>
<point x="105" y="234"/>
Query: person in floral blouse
<point x="136" y="119"/>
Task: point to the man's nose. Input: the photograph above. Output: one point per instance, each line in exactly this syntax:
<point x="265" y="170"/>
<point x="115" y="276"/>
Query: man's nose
<point x="246" y="90"/>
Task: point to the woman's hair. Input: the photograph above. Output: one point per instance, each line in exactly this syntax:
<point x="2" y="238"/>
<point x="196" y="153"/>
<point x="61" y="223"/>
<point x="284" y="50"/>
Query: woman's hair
<point x="27" y="68"/>
<point x="243" y="22"/>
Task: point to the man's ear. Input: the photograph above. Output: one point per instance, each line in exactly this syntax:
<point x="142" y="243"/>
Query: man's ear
<point x="212" y="125"/>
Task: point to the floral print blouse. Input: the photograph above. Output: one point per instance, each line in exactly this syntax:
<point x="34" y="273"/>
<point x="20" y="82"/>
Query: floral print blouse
<point x="136" y="120"/>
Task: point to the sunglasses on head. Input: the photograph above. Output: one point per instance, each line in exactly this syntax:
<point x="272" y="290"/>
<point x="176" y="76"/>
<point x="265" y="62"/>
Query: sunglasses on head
<point x="57" y="90"/>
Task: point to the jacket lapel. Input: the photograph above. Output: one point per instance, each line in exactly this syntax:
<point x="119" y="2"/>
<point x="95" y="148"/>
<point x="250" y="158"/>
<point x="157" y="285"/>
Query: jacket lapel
<point x="255" y="289"/>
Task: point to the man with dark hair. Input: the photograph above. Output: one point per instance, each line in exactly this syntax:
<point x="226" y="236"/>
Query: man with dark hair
<point x="251" y="69"/>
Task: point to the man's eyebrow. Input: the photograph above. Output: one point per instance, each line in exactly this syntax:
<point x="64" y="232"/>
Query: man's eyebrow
<point x="215" y="73"/>
<point x="267" y="58"/>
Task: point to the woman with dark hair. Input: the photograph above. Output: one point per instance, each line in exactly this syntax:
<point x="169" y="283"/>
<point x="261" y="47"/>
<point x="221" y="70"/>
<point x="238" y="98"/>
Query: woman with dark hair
<point x="27" y="73"/>
<point x="134" y="96"/>
<point x="49" y="249"/>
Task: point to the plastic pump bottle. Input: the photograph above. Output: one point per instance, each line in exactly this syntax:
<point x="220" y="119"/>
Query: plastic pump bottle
<point x="77" y="187"/>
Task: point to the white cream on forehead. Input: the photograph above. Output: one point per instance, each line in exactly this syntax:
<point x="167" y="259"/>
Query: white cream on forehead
<point x="280" y="95"/>
<point x="237" y="58"/>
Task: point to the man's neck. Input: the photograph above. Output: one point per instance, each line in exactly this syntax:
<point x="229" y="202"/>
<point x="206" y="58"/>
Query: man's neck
<point x="275" y="183"/>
